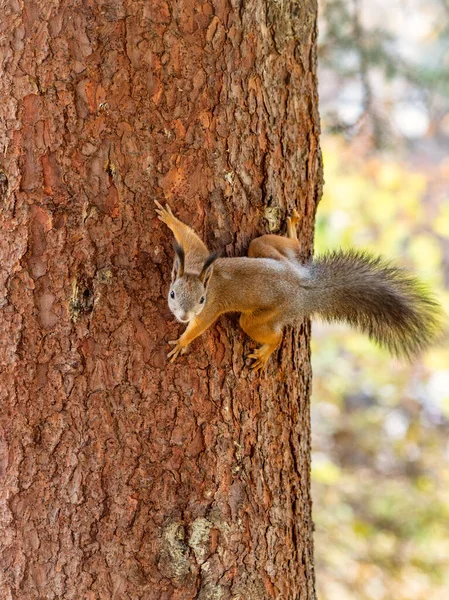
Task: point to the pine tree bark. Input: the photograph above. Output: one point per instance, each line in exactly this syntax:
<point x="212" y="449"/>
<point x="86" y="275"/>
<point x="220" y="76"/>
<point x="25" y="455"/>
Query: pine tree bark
<point x="124" y="476"/>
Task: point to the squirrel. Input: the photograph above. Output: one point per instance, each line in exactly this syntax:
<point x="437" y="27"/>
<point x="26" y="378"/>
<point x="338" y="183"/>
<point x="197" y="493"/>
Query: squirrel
<point x="272" y="288"/>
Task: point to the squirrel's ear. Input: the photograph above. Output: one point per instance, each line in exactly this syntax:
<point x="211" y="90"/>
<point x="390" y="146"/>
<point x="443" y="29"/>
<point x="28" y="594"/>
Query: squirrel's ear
<point x="178" y="265"/>
<point x="207" y="269"/>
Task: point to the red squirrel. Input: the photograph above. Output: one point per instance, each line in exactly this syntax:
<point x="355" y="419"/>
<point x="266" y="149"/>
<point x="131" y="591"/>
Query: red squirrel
<point x="272" y="288"/>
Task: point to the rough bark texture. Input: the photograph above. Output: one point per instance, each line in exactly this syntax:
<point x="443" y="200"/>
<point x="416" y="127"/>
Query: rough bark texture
<point x="125" y="477"/>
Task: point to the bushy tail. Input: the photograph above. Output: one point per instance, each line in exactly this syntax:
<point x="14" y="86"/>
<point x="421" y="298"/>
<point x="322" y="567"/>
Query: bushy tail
<point x="382" y="300"/>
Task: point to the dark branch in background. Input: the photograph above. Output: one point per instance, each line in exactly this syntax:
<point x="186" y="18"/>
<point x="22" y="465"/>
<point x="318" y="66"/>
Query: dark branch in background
<point x="372" y="49"/>
<point x="363" y="58"/>
<point x="444" y="5"/>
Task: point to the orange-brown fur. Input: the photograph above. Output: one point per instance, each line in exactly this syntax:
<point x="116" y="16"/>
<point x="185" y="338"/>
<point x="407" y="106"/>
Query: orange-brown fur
<point x="271" y="289"/>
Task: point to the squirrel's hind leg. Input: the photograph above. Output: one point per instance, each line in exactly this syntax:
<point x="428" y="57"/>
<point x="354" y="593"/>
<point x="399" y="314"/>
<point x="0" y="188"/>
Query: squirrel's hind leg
<point x="262" y="327"/>
<point x="292" y="222"/>
<point x="274" y="246"/>
<point x="277" y="246"/>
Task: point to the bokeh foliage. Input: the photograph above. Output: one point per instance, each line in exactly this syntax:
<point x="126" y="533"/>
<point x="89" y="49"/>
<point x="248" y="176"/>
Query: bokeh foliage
<point x="379" y="60"/>
<point x="381" y="426"/>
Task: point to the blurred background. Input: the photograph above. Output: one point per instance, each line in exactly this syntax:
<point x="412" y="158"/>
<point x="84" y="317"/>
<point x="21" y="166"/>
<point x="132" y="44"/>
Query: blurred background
<point x="381" y="426"/>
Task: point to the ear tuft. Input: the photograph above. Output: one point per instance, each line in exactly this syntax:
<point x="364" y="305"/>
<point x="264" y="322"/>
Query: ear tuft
<point x="207" y="269"/>
<point x="178" y="265"/>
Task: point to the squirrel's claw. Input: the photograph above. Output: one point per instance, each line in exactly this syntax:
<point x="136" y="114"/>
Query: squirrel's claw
<point x="164" y="214"/>
<point x="294" y="216"/>
<point x="177" y="350"/>
<point x="258" y="365"/>
<point x="259" y="362"/>
<point x="261" y="356"/>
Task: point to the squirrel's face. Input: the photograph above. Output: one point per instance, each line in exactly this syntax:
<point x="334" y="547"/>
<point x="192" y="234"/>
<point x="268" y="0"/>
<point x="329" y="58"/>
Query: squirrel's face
<point x="187" y="295"/>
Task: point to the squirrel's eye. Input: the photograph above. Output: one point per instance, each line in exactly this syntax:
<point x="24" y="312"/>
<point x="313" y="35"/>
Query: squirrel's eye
<point x="202" y="300"/>
<point x="172" y="294"/>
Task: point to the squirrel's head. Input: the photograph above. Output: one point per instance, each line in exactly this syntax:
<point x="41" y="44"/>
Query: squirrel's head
<point x="187" y="295"/>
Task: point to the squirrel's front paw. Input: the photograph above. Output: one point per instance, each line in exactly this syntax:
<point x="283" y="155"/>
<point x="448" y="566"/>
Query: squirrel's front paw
<point x="177" y="350"/>
<point x="164" y="214"/>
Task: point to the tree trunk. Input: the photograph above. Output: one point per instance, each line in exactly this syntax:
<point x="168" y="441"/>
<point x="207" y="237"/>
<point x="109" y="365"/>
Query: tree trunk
<point x="124" y="476"/>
